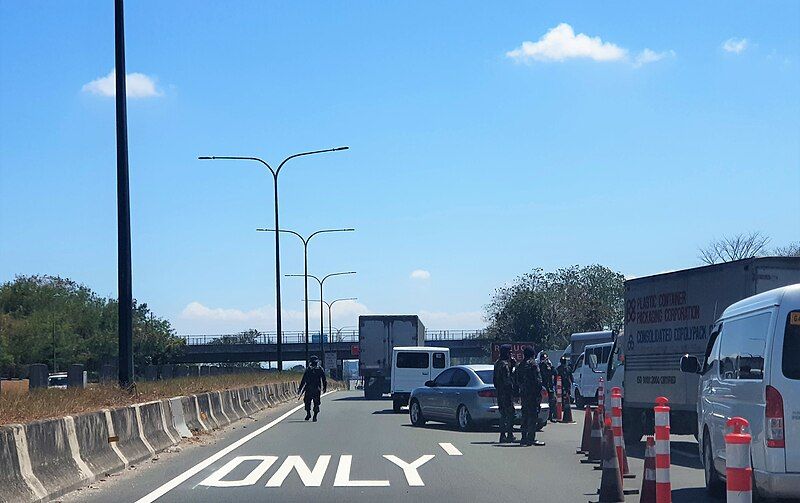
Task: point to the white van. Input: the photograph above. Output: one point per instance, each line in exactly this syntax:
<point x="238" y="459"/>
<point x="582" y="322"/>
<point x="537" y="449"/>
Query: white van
<point x="412" y="366"/>
<point x="589" y="368"/>
<point x="751" y="369"/>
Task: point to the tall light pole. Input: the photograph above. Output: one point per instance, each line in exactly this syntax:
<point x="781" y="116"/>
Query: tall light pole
<point x="330" y="306"/>
<point x="275" y="173"/>
<point x="321" y="328"/>
<point x="124" y="274"/>
<point x="305" y="265"/>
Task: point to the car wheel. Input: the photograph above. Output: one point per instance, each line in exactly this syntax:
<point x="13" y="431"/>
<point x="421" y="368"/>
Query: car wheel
<point x="714" y="484"/>
<point x="415" y="413"/>
<point x="464" y="419"/>
<point x="579" y="402"/>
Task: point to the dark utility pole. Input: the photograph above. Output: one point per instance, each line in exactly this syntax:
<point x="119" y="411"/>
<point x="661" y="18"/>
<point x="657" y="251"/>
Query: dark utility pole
<point x="125" y="283"/>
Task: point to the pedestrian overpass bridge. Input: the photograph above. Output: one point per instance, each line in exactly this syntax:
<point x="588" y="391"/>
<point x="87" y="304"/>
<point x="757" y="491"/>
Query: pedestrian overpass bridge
<point x="263" y="346"/>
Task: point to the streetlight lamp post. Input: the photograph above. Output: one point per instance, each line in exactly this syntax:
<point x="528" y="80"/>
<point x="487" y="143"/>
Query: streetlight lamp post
<point x="275" y="173"/>
<point x="321" y="328"/>
<point x="330" y="306"/>
<point x="305" y="265"/>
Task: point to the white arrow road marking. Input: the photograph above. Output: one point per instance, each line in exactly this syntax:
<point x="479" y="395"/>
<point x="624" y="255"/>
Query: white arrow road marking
<point x="310" y="478"/>
<point x="215" y="479"/>
<point x="343" y="475"/>
<point x="450" y="449"/>
<point x="183" y="477"/>
<point x="410" y="469"/>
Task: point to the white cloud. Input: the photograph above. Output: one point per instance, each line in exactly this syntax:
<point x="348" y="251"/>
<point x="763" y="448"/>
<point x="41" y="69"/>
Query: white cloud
<point x="420" y="274"/>
<point x="651" y="56"/>
<point x="735" y="45"/>
<point x="561" y="43"/>
<point x="137" y="85"/>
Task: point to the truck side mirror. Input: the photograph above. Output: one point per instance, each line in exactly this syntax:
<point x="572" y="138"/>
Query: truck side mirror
<point x="430" y="384"/>
<point x="690" y="364"/>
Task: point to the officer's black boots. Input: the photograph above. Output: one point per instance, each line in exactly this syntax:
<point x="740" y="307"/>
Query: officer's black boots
<point x="308" y="415"/>
<point x="315" y="417"/>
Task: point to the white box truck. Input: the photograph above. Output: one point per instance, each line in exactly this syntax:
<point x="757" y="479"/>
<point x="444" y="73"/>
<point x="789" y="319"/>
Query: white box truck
<point x="671" y="314"/>
<point x="377" y="336"/>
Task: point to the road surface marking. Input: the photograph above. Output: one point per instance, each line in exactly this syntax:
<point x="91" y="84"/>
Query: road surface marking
<point x="450" y="449"/>
<point x="310" y="478"/>
<point x="410" y="469"/>
<point x="215" y="479"/>
<point x="343" y="475"/>
<point x="183" y="477"/>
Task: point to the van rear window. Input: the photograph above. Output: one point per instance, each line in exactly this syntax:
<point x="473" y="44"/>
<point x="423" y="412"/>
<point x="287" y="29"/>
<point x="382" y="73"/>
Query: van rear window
<point x="409" y="360"/>
<point x="791" y="346"/>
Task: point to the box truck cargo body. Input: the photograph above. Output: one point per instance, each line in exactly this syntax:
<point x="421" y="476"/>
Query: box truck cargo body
<point x="377" y="336"/>
<point x="672" y="314"/>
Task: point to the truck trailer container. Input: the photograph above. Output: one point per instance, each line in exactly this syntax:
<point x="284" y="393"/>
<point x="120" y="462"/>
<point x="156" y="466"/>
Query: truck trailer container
<point x="377" y="336"/>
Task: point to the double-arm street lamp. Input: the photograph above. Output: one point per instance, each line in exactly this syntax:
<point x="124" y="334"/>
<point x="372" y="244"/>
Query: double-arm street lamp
<point x="305" y="264"/>
<point x="275" y="173"/>
<point x="330" y="306"/>
<point x="321" y="282"/>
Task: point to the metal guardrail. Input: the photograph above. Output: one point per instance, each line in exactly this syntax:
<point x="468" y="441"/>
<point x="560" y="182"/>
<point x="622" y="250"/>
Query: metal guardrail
<point x="299" y="337"/>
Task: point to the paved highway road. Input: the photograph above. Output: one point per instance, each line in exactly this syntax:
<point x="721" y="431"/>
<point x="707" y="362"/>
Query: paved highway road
<point x="360" y="451"/>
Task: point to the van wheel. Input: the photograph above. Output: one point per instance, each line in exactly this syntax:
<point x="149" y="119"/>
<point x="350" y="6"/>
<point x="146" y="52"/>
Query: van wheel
<point x="464" y="418"/>
<point x="714" y="484"/>
<point x="415" y="413"/>
<point x="580" y="403"/>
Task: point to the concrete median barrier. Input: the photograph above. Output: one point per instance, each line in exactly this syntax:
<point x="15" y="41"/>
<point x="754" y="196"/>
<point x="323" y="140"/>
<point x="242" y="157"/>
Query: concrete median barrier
<point x="17" y="482"/>
<point x="159" y="433"/>
<point x="191" y="414"/>
<point x="94" y="447"/>
<point x="54" y="455"/>
<point x="207" y="410"/>
<point x="129" y="440"/>
<point x="218" y="409"/>
<point x="175" y="407"/>
<point x="228" y="405"/>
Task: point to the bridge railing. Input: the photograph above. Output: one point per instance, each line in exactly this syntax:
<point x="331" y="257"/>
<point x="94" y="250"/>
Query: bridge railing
<point x="298" y="337"/>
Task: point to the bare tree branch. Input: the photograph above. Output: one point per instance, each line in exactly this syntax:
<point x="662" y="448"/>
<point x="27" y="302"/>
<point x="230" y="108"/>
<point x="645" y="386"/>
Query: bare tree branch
<point x="738" y="247"/>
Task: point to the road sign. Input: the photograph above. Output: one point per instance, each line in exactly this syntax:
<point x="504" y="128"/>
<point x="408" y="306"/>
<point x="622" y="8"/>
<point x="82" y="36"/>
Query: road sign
<point x="355" y="350"/>
<point x="516" y="349"/>
<point x="330" y="360"/>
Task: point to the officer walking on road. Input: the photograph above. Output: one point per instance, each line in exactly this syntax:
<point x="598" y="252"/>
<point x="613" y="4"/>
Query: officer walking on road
<point x="565" y="371"/>
<point x="504" y="385"/>
<point x="529" y="381"/>
<point x="548" y="381"/>
<point x="313" y="381"/>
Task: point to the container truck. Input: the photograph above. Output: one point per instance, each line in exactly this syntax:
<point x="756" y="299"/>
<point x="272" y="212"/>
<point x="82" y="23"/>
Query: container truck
<point x="671" y="314"/>
<point x="377" y="336"/>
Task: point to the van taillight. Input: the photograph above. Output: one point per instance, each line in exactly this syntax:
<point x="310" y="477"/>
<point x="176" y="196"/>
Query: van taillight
<point x="774" y="419"/>
<point x="487" y="393"/>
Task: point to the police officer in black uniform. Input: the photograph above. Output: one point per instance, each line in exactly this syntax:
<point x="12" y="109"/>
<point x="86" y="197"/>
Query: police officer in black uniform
<point x="313" y="381"/>
<point x="504" y="385"/>
<point x="548" y="381"/>
<point x="529" y="383"/>
<point x="564" y="369"/>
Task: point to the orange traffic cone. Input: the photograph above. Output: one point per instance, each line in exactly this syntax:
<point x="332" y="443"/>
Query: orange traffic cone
<point x="595" y="440"/>
<point x="611" y="481"/>
<point x="587" y="431"/>
<point x="648" y="494"/>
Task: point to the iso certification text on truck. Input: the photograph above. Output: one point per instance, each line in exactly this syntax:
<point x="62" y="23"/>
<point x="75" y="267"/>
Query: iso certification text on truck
<point x="672" y="314"/>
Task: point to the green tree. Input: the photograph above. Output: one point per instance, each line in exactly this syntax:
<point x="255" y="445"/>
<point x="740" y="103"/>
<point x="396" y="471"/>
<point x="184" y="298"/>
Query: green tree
<point x="249" y="336"/>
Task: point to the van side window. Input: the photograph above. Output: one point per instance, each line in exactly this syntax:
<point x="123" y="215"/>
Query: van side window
<point x="412" y="360"/>
<point x="438" y="360"/>
<point x="791" y="346"/>
<point x="742" y="351"/>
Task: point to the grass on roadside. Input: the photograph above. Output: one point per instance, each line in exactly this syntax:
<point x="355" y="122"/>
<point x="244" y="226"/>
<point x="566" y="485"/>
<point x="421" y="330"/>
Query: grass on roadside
<point x="49" y="403"/>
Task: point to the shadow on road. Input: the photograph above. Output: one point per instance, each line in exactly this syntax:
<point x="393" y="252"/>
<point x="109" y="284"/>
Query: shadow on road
<point x="360" y="399"/>
<point x="390" y="411"/>
<point x="693" y="495"/>
<point x="682" y="453"/>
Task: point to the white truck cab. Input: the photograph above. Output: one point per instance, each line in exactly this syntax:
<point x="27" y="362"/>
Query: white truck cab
<point x="751" y="369"/>
<point x="412" y="366"/>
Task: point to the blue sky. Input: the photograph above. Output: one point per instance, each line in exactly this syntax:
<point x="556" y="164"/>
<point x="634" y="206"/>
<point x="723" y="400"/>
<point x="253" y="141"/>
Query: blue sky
<point x="622" y="134"/>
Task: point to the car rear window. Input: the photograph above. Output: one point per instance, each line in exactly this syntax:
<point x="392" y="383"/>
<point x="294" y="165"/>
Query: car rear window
<point x="791" y="346"/>
<point x="409" y="360"/>
<point x="487" y="376"/>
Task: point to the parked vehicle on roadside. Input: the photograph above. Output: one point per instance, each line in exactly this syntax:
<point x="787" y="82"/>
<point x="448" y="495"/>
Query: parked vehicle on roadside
<point x="579" y="341"/>
<point x="751" y="369"/>
<point x="589" y="368"/>
<point x="412" y="366"/>
<point x="57" y="380"/>
<point x="463" y="395"/>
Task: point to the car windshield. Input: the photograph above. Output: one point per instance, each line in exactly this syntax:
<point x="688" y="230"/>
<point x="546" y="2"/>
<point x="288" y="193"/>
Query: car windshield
<point x="58" y="381"/>
<point x="487" y="376"/>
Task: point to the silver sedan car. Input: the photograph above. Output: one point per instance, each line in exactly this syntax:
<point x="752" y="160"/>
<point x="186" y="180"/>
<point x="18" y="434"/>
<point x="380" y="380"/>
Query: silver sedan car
<point x="463" y="395"/>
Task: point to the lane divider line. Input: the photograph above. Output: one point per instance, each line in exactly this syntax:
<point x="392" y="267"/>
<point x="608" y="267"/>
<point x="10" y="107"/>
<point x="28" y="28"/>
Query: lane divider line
<point x="450" y="449"/>
<point x="191" y="472"/>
